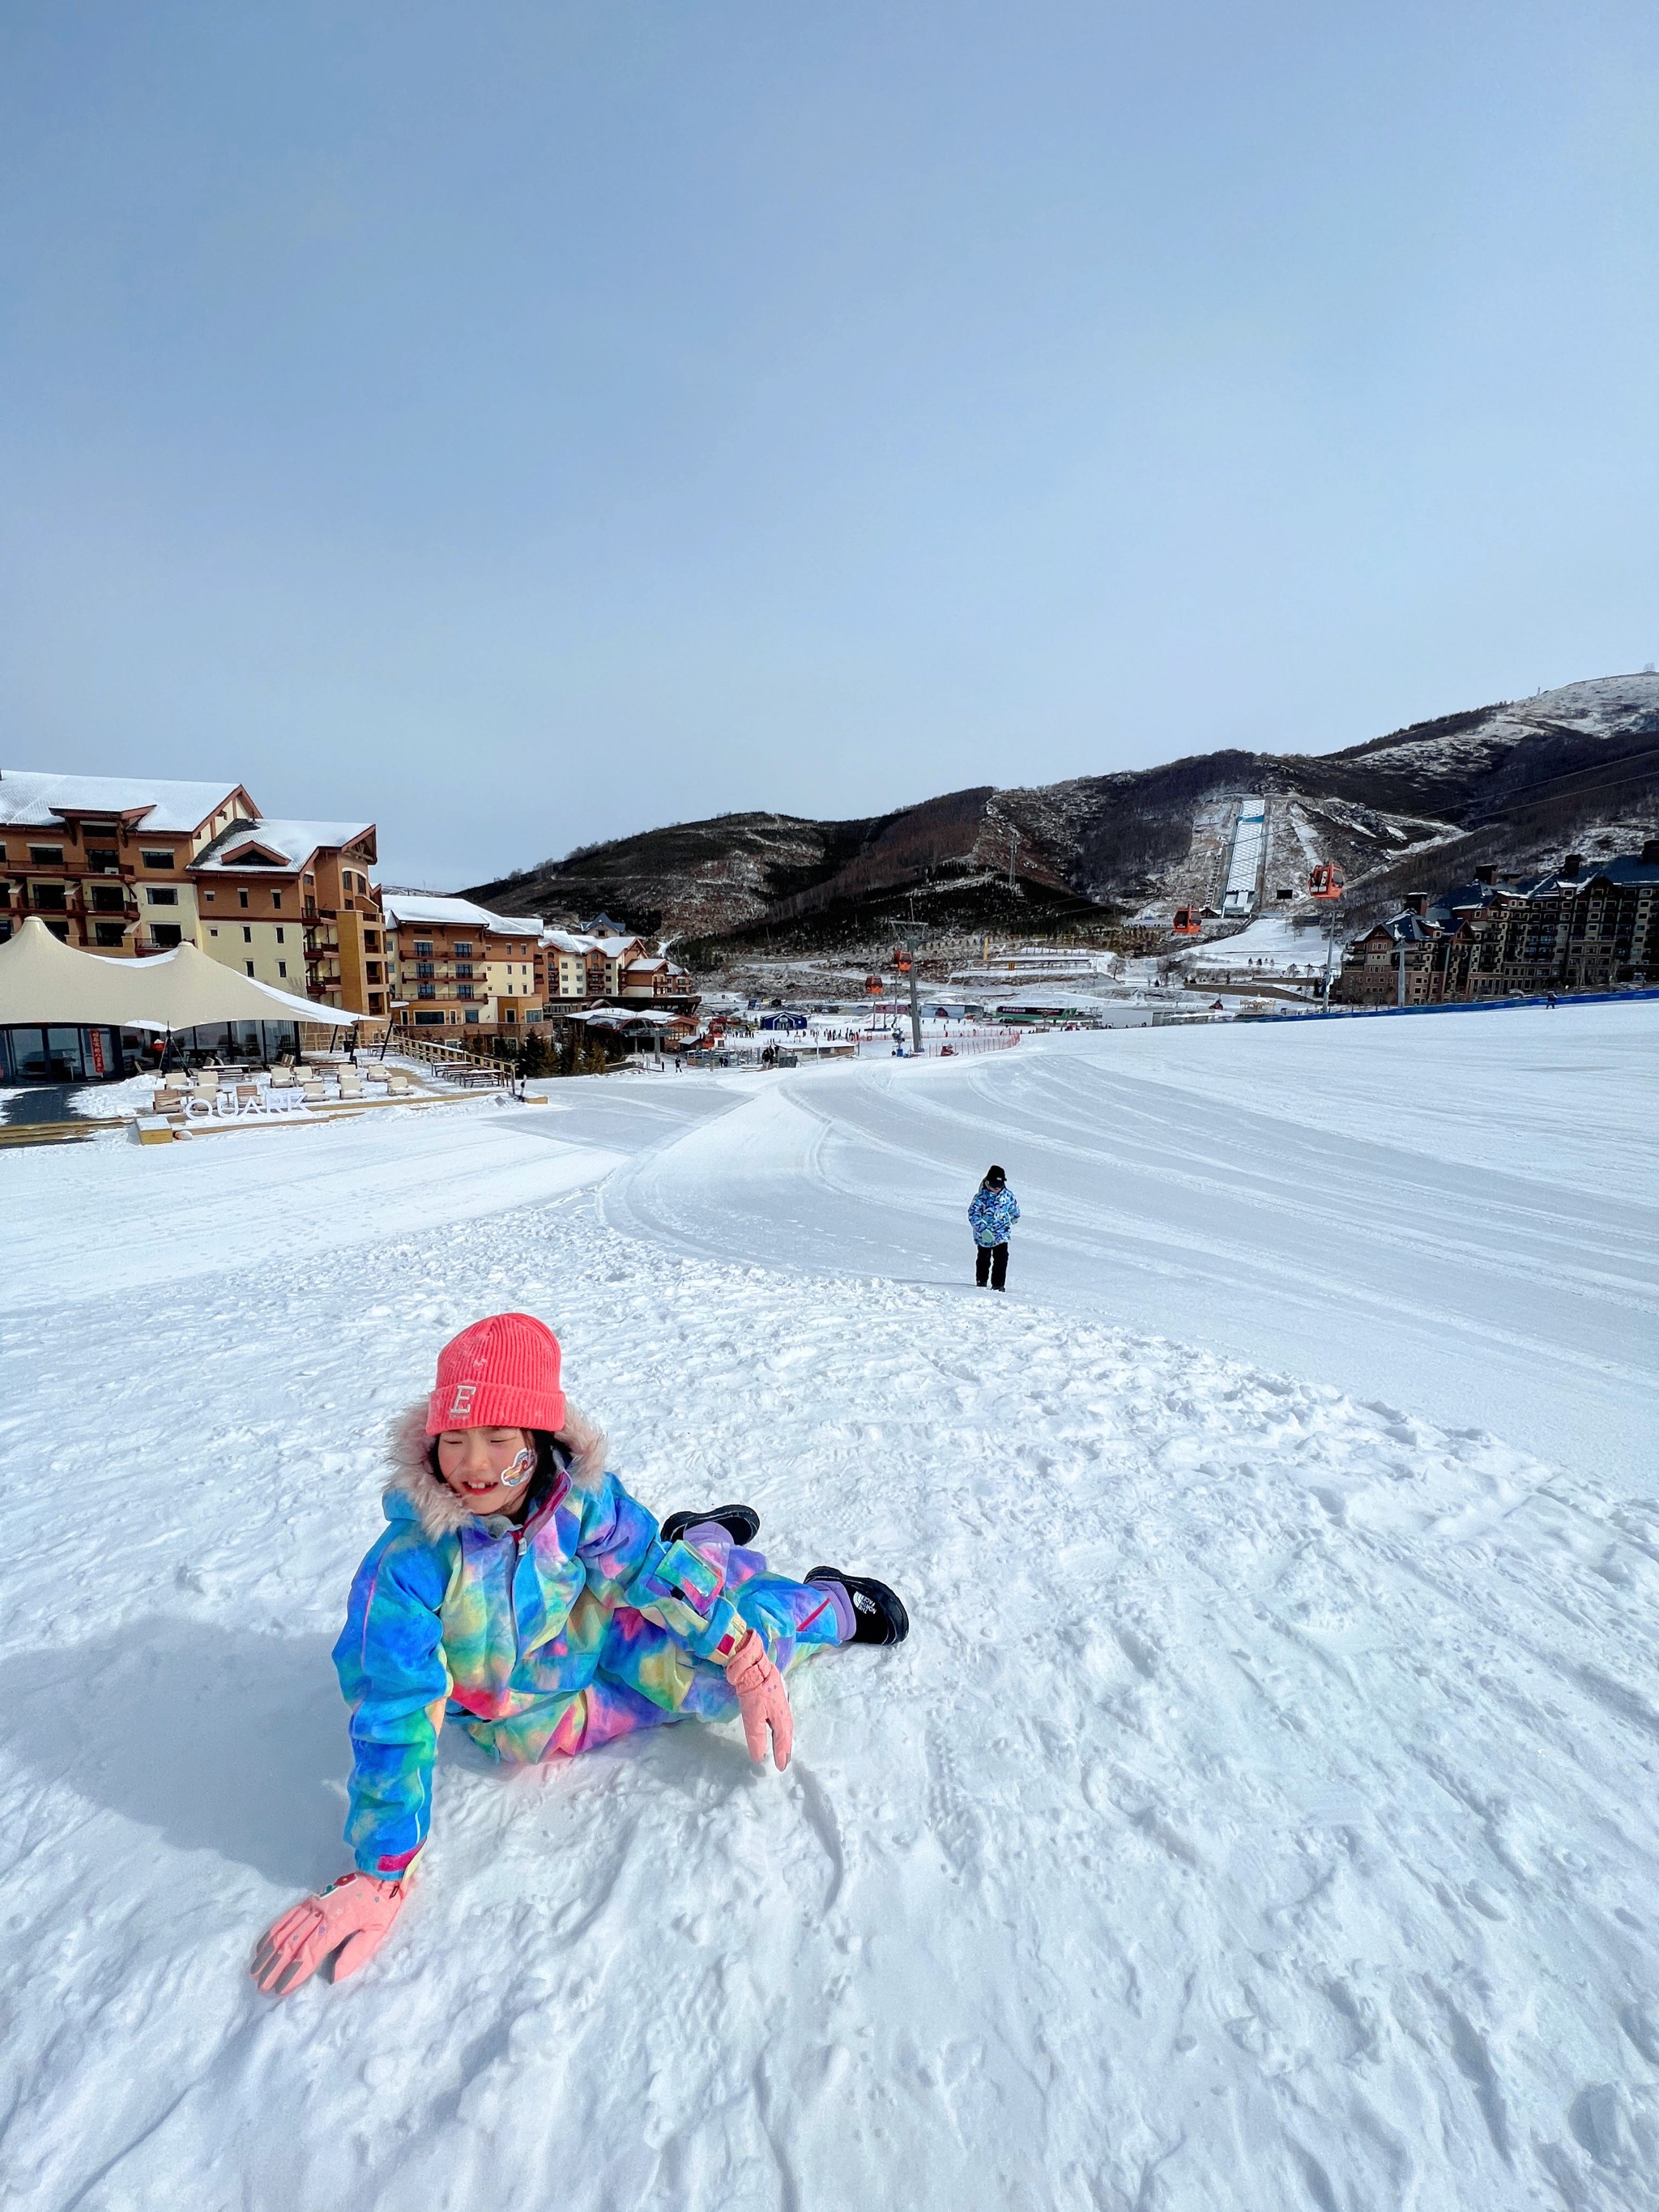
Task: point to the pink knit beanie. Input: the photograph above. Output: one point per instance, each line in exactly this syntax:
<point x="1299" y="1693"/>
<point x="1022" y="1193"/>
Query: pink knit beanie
<point x="502" y="1373"/>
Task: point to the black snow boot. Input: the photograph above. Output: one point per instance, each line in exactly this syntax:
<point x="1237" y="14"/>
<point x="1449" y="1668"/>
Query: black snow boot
<point x="740" y="1522"/>
<point x="877" y="1615"/>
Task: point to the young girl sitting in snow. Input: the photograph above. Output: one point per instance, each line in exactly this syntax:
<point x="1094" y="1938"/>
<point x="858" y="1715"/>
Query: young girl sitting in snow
<point x="522" y="1591"/>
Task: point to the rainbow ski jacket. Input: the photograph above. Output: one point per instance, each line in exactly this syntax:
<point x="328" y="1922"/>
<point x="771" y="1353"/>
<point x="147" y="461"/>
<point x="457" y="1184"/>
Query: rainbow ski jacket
<point x="539" y="1640"/>
<point x="991" y="1214"/>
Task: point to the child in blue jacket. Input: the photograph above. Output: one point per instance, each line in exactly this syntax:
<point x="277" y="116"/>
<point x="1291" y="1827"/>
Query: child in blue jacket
<point x="992" y="1213"/>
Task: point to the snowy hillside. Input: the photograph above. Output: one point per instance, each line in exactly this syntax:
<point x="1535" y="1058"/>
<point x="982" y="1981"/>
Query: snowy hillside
<point x="1262" y="1813"/>
<point x="1517" y="784"/>
<point x="1606" y="708"/>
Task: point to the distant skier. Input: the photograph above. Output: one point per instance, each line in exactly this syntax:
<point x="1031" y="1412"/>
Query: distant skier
<point x="991" y="1214"/>
<point x="521" y="1592"/>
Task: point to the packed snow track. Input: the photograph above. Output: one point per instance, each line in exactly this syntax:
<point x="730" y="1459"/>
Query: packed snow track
<point x="1262" y="1813"/>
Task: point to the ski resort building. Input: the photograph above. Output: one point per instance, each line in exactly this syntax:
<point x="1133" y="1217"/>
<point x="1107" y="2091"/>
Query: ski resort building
<point x="584" y="971"/>
<point x="460" y="966"/>
<point x="291" y="903"/>
<point x="583" y="968"/>
<point x="1590" y="926"/>
<point x="104" y="861"/>
<point x="128" y="866"/>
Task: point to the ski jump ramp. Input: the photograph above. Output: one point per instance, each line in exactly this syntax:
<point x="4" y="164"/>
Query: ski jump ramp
<point x="1244" y="867"/>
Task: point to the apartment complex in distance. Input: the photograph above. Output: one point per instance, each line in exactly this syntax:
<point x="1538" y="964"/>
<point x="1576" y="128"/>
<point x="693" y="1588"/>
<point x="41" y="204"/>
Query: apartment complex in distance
<point x="128" y="866"/>
<point x="1590" y="926"/>
<point x="585" y="970"/>
<point x="458" y="966"/>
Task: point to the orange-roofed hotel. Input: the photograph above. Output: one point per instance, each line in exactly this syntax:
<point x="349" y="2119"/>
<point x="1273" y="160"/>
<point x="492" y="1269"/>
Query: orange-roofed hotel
<point x="127" y="866"/>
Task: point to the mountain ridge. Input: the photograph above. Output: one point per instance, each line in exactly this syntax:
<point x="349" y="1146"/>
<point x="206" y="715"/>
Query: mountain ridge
<point x="1514" y="784"/>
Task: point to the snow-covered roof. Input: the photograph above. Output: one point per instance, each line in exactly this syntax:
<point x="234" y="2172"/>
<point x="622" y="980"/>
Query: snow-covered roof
<point x="565" y="940"/>
<point x="416" y="909"/>
<point x="427" y="910"/>
<point x="34" y="799"/>
<point x="293" y="843"/>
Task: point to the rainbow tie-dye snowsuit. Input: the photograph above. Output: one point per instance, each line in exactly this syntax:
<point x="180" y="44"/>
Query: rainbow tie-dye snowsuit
<point x="543" y="1640"/>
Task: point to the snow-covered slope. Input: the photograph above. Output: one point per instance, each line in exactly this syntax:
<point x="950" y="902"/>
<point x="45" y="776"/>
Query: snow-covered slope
<point x="1262" y="1813"/>
<point x="1429" y="1211"/>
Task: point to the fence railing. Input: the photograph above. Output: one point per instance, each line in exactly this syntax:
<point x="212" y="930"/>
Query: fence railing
<point x="432" y="1052"/>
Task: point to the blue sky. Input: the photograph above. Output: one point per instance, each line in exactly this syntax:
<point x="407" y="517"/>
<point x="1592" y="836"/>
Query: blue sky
<point x="525" y="423"/>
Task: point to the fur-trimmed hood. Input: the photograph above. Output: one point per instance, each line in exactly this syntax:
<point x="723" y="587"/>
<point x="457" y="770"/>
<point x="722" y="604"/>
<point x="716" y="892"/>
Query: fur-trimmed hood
<point x="441" y="1512"/>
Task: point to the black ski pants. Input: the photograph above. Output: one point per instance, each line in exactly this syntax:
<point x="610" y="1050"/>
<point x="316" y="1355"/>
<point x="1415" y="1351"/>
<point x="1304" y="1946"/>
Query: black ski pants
<point x="990" y="1265"/>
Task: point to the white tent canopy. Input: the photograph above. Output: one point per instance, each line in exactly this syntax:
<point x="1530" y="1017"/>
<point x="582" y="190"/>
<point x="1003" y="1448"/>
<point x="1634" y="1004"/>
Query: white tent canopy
<point x="43" y="981"/>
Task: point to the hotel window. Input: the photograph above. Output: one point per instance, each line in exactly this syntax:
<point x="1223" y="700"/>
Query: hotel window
<point x="463" y="968"/>
<point x="103" y="858"/>
<point x="166" y="932"/>
<point x="156" y="860"/>
<point x="247" y="938"/>
<point x="248" y="964"/>
<point x="208" y="896"/>
<point x="463" y="951"/>
<point x="107" y="933"/>
<point x="242" y="897"/>
<point x="423" y="948"/>
<point x="276" y="901"/>
<point x="281" y="967"/>
<point x="160" y="895"/>
<point x="280" y="938"/>
<point x="46" y="856"/>
<point x="426" y="990"/>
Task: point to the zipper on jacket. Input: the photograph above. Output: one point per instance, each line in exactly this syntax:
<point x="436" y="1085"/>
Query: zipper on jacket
<point x="513" y="1592"/>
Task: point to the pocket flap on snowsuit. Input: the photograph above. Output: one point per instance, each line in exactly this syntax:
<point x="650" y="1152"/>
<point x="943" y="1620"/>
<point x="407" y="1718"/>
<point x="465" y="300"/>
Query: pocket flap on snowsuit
<point x="683" y="1576"/>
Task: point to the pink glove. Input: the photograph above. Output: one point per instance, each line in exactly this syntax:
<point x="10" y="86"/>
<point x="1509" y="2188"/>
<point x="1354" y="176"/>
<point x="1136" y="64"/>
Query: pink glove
<point x="762" y="1700"/>
<point x="353" y="1916"/>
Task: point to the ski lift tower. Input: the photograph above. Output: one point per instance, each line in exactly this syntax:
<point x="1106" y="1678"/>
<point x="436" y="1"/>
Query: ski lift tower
<point x="912" y="941"/>
<point x="1325" y="884"/>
